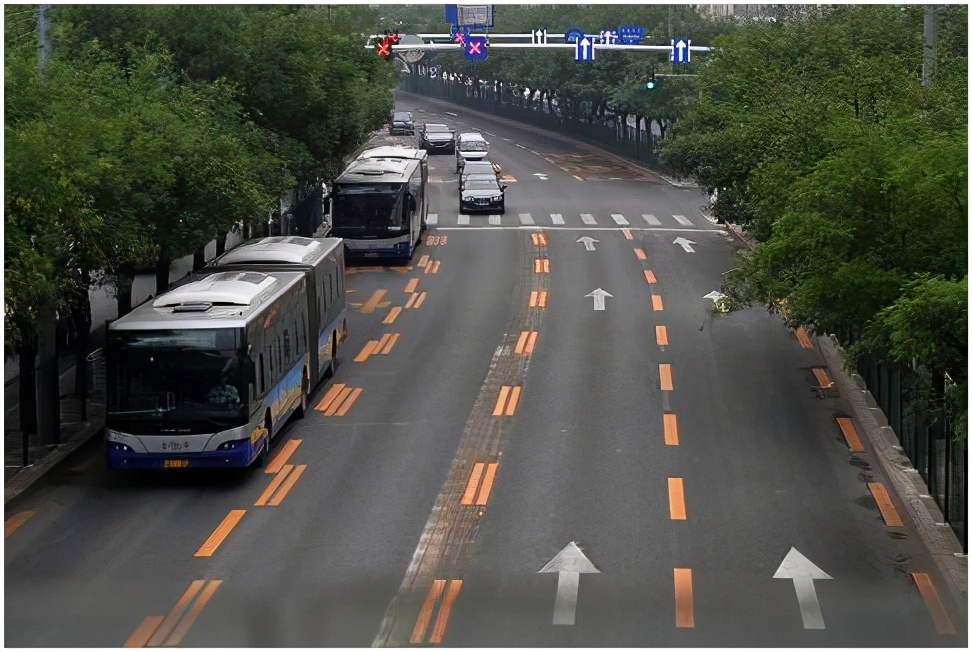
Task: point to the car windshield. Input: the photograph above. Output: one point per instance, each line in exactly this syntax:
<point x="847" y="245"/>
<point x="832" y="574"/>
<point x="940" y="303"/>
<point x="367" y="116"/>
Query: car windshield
<point x="478" y="168"/>
<point x="475" y="146"/>
<point x="482" y="184"/>
<point x="402" y="117"/>
<point x="435" y="127"/>
<point x="190" y="381"/>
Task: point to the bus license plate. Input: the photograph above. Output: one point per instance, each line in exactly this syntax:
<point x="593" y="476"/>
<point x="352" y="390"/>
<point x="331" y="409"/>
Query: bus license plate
<point x="175" y="464"/>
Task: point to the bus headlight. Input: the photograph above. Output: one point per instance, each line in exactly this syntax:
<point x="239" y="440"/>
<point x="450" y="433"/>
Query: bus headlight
<point x="231" y="445"/>
<point x="121" y="448"/>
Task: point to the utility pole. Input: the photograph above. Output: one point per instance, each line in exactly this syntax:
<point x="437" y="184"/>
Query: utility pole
<point x="43" y="51"/>
<point x="928" y="60"/>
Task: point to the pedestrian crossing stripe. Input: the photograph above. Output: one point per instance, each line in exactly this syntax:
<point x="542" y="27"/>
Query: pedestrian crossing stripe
<point x="617" y="217"/>
<point x="557" y="218"/>
<point x="527" y="220"/>
<point x="587" y="218"/>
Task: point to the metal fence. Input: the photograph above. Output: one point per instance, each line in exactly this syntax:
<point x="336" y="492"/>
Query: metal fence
<point x="926" y="437"/>
<point x="622" y="140"/>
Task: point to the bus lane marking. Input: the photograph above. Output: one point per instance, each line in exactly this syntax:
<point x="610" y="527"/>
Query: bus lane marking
<point x="155" y="631"/>
<point x="13" y="523"/>
<point x="943" y="624"/>
<point x="287" y="485"/>
<point x="373" y="301"/>
<point x="850" y="434"/>
<point x="414" y="282"/>
<point x="368" y="349"/>
<point x="392" y="315"/>
<point x="282" y="456"/>
<point x="220" y="533"/>
<point x="274" y="485"/>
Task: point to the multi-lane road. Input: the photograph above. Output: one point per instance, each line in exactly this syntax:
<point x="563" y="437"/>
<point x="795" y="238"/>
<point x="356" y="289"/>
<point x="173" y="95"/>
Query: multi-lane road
<point x="540" y="434"/>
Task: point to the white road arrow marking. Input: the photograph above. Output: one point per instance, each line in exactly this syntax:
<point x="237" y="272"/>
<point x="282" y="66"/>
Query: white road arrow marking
<point x="588" y="242"/>
<point x="569" y="563"/>
<point x="685" y="244"/>
<point x="543" y="177"/>
<point x="599" y="295"/>
<point x="803" y="572"/>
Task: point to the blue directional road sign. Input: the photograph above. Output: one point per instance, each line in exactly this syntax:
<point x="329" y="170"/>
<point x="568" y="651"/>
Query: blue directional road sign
<point x="573" y="34"/>
<point x="476" y="48"/>
<point x="630" y="35"/>
<point x="681" y="51"/>
<point x="584" y="49"/>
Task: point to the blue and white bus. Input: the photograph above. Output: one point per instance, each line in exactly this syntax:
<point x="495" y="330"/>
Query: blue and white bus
<point x="378" y="205"/>
<point x="207" y="373"/>
<point x="322" y="259"/>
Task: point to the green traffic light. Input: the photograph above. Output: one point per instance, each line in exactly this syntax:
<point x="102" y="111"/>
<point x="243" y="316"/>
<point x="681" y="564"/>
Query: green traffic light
<point x="650" y="85"/>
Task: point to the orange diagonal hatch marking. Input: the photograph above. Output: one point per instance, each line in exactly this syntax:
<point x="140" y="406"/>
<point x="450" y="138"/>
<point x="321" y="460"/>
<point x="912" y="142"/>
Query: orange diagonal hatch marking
<point x="684" y="608"/>
<point x="281" y="458"/>
<point x="850" y="434"/>
<point x="442" y="620"/>
<point x="943" y="624"/>
<point x="287" y="485"/>
<point x="328" y="398"/>
<point x="421" y="300"/>
<point x="501" y="401"/>
<point x="332" y="408"/>
<point x="272" y="487"/>
<point x="487" y="484"/>
<point x="676" y="499"/>
<point x="412" y="284"/>
<point x="665" y="371"/>
<point x="15" y="521"/>
<point x="355" y="393"/>
<point x="671" y="430"/>
<point x="473" y="484"/>
<point x="190" y="618"/>
<point x="173" y="617"/>
<point x="514" y="398"/>
<point x="392" y="315"/>
<point x="888" y="512"/>
<point x="426" y="613"/>
<point x="220" y="533"/>
<point x="366" y="352"/>
<point x="141" y="635"/>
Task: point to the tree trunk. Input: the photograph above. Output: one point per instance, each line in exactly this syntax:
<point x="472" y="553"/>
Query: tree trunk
<point x="28" y="391"/>
<point x="48" y="385"/>
<point x="220" y="244"/>
<point x="123" y="292"/>
<point x="81" y="316"/>
<point x="163" y="266"/>
<point x="198" y="259"/>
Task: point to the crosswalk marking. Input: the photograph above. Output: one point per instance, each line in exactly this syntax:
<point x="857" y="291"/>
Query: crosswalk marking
<point x="526" y="218"/>
<point x="432" y="219"/>
<point x="652" y="220"/>
<point x="494" y="220"/>
<point x="681" y="219"/>
<point x="587" y="218"/>
<point x="463" y="220"/>
<point x="557" y="218"/>
<point x="619" y="218"/>
<point x="564" y="220"/>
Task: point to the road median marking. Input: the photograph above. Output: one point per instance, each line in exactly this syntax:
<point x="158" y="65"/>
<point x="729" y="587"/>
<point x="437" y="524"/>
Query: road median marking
<point x="413" y="284"/>
<point x="373" y="301"/>
<point x="883" y="500"/>
<point x="220" y="533"/>
<point x="541" y="266"/>
<point x="539" y="239"/>
<point x="684" y="605"/>
<point x="506" y="402"/>
<point x="338" y="400"/>
<point x="538" y="299"/>
<point x="432" y="267"/>
<point x="155" y="631"/>
<point x="850" y="434"/>
<point x="282" y="456"/>
<point x="943" y="624"/>
<point x="392" y="315"/>
<point x="665" y="374"/>
<point x="526" y="343"/>
<point x="671" y="430"/>
<point x="13" y="523"/>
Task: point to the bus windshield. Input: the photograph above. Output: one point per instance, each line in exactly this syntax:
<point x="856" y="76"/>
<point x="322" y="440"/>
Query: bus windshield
<point x="368" y="209"/>
<point x="187" y="382"/>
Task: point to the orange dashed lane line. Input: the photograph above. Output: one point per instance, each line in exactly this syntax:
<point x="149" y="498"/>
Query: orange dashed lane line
<point x="385" y="350"/>
<point x="443" y="619"/>
<point x="541" y="266"/>
<point x="421" y="300"/>
<point x="650" y="276"/>
<point x="661" y="335"/>
<point x="640" y="253"/>
<point x="349" y="402"/>
<point x="850" y="434"/>
<point x="167" y="625"/>
<point x="487" y="483"/>
<point x="272" y="487"/>
<point x="665" y="372"/>
<point x="413" y="283"/>
<point x="194" y="612"/>
<point x="425" y="615"/>
<point x="379" y="348"/>
<point x="411" y="301"/>
<point x="514" y="399"/>
<point x="526" y="343"/>
<point x="671" y="430"/>
<point x="287" y="485"/>
<point x="329" y="397"/>
<point x="336" y="403"/>
<point x="520" y="343"/>
<point x="501" y="401"/>
<point x="888" y="512"/>
<point x="142" y="633"/>
<point x="392" y="315"/>
<point x="627" y="234"/>
<point x="538" y="299"/>
<point x="220" y="533"/>
<point x="822" y="378"/>
<point x="473" y="484"/>
<point x="803" y="338"/>
<point x="656" y="303"/>
<point x="676" y="499"/>
<point x="432" y="267"/>
<point x="366" y="352"/>
<point x="943" y="624"/>
<point x="281" y="458"/>
<point x="684" y="608"/>
<point x="14" y="522"/>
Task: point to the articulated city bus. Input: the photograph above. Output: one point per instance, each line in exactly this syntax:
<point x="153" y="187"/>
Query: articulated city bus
<point x="322" y="259"/>
<point x="379" y="207"/>
<point x="207" y="373"/>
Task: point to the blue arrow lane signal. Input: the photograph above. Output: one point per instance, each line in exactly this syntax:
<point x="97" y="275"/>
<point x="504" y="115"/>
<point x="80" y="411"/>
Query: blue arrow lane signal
<point x="573" y="34"/>
<point x="681" y="51"/>
<point x="584" y="50"/>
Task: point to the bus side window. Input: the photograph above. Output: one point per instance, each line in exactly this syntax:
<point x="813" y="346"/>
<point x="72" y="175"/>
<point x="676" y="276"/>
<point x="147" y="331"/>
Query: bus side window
<point x="286" y="346"/>
<point x="324" y="298"/>
<point x="259" y="376"/>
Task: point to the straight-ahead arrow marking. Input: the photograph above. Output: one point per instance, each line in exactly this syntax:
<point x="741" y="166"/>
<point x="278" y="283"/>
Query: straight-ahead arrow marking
<point x="588" y="242"/>
<point x="599" y="296"/>
<point x="569" y="563"/>
<point x="803" y="572"/>
<point x="684" y="244"/>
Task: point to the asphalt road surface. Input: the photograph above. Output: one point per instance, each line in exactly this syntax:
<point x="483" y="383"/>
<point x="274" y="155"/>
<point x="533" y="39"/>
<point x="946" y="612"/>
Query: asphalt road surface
<point x="555" y="393"/>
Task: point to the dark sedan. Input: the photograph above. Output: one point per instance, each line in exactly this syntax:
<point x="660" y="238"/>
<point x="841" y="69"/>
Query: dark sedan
<point x="438" y="139"/>
<point x="402" y="124"/>
<point x="482" y="194"/>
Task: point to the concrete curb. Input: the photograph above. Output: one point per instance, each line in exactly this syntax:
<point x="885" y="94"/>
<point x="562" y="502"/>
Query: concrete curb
<point x="943" y="546"/>
<point x="554" y="134"/>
